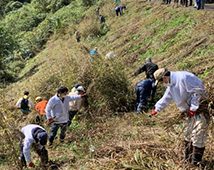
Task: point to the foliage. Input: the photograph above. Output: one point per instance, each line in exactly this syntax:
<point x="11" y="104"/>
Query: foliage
<point x="12" y="6"/>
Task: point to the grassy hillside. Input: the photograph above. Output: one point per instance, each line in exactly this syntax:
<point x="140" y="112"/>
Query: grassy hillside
<point x="108" y="134"/>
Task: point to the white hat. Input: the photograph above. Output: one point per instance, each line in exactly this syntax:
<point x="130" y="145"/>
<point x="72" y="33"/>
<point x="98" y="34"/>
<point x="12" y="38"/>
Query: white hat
<point x="80" y="88"/>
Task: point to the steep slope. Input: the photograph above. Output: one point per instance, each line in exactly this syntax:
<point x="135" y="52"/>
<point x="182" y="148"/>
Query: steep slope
<point x="104" y="137"/>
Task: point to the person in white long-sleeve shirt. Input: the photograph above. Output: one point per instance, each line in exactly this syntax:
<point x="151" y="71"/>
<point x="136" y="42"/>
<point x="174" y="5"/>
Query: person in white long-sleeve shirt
<point x="57" y="112"/>
<point x="187" y="91"/>
<point x="31" y="134"/>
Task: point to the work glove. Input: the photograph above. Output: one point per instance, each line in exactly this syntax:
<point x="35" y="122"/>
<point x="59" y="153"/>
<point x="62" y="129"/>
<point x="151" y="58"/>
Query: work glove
<point x="50" y="120"/>
<point x="191" y="113"/>
<point x="153" y="113"/>
<point x="84" y="95"/>
<point x="31" y="164"/>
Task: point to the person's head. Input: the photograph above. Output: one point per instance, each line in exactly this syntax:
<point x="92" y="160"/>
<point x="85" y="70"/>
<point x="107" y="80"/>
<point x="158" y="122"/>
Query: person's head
<point x="42" y="136"/>
<point x="148" y="59"/>
<point x="95" y="48"/>
<point x="80" y="90"/>
<point x="26" y="93"/>
<point x="124" y="7"/>
<point x="62" y="91"/>
<point x="76" y="86"/>
<point x="98" y="8"/>
<point x="38" y="99"/>
<point x="162" y="75"/>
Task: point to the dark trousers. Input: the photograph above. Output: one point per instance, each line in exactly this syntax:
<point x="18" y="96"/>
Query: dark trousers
<point x="71" y="116"/>
<point x="54" y="130"/>
<point x="141" y="98"/>
<point x="117" y="12"/>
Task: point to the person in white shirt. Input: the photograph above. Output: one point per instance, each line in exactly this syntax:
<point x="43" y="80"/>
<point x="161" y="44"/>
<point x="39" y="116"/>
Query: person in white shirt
<point x="57" y="112"/>
<point x="187" y="91"/>
<point x="24" y="103"/>
<point x="75" y="105"/>
<point x="30" y="135"/>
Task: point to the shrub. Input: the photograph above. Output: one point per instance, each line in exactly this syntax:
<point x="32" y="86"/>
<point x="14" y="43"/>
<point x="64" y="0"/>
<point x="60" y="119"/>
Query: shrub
<point x="17" y="66"/>
<point x="11" y="6"/>
<point x="108" y="87"/>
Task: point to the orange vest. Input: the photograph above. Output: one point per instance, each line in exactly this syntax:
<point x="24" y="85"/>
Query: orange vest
<point x="40" y="107"/>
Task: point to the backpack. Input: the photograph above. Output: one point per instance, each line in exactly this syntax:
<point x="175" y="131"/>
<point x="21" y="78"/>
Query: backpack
<point x="24" y="104"/>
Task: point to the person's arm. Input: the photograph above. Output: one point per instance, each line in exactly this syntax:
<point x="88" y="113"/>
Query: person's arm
<point x="48" y="109"/>
<point x="26" y="149"/>
<point x="153" y="91"/>
<point x="18" y="104"/>
<point x="140" y="70"/>
<point x="164" y="101"/>
<point x="71" y="98"/>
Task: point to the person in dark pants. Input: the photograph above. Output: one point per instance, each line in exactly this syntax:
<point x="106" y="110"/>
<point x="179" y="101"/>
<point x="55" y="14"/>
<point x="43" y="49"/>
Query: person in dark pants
<point x="57" y="112"/>
<point x="102" y="19"/>
<point x="75" y="105"/>
<point x="144" y="89"/>
<point x="149" y="67"/>
<point x="119" y="9"/>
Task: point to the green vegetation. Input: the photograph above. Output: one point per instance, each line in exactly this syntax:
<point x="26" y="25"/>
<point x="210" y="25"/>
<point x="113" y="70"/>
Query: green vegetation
<point x="39" y="53"/>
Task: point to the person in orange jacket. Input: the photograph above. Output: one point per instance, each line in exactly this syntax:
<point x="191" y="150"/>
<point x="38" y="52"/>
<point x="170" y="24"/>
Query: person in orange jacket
<point x="40" y="106"/>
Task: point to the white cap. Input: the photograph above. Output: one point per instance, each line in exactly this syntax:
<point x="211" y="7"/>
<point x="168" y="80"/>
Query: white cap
<point x="80" y="88"/>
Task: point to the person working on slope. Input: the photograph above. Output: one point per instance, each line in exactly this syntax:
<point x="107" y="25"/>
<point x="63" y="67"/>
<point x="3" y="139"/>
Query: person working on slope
<point x="144" y="89"/>
<point x="34" y="136"/>
<point x="75" y="105"/>
<point x="40" y="106"/>
<point x="24" y="103"/>
<point x="57" y="112"/>
<point x="149" y="67"/>
<point x="187" y="91"/>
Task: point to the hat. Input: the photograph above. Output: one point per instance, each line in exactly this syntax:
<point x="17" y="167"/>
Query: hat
<point x="148" y="59"/>
<point x="38" y="98"/>
<point x="158" y="74"/>
<point x="26" y="93"/>
<point x="42" y="136"/>
<point x="80" y="88"/>
<point x="76" y="85"/>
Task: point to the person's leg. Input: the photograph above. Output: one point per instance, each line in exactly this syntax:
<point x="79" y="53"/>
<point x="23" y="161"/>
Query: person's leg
<point x="199" y="136"/>
<point x="54" y="129"/>
<point x="142" y="99"/>
<point x="63" y="127"/>
<point x="138" y="97"/>
<point x="189" y="123"/>
<point x="202" y="4"/>
<point x="71" y="116"/>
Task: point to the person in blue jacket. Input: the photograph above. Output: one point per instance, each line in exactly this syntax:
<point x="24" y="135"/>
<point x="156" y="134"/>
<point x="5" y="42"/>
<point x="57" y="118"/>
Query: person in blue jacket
<point x="93" y="53"/>
<point x="144" y="89"/>
<point x="119" y="9"/>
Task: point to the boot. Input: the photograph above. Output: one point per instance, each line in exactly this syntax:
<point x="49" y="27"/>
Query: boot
<point x="199" y="6"/>
<point x="197" y="155"/>
<point x="188" y="152"/>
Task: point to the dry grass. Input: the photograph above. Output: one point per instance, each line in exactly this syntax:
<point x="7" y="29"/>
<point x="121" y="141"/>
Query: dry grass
<point x="108" y="135"/>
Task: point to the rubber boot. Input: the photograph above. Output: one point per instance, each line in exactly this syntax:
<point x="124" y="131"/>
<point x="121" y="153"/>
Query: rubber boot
<point x="188" y="152"/>
<point x="197" y="155"/>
